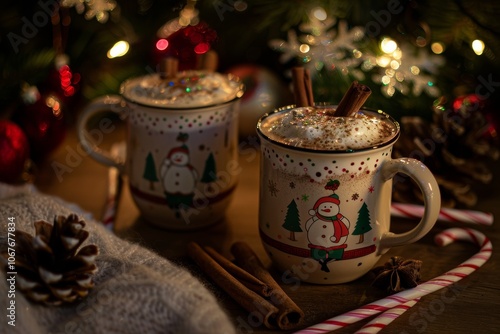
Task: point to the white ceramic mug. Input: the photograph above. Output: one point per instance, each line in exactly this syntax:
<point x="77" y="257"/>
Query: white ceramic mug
<point x="179" y="152"/>
<point x="324" y="216"/>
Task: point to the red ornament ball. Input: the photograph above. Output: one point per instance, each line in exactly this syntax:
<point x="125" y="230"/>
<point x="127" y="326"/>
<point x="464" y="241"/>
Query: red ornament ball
<point x="14" y="151"/>
<point x="187" y="44"/>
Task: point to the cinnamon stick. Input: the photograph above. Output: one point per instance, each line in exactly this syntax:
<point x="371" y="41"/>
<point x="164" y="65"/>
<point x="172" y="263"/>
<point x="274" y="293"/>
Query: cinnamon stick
<point x="290" y="315"/>
<point x="169" y="67"/>
<point x="302" y="87"/>
<point x="247" y="298"/>
<point x="241" y="275"/>
<point x="208" y="61"/>
<point x="308" y="86"/>
<point x="353" y="100"/>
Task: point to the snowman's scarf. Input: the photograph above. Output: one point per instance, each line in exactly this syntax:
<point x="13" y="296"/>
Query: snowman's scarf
<point x="339" y="228"/>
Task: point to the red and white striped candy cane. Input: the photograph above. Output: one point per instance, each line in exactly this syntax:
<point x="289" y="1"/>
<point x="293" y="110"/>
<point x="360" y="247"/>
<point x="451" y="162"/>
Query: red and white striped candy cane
<point x="462" y="270"/>
<point x="445" y="214"/>
<point x="386" y="318"/>
<point x="109" y="215"/>
<point x="114" y="188"/>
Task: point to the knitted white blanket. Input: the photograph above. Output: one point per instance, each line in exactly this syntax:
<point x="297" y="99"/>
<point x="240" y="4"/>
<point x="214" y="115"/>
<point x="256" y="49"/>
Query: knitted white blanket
<point x="136" y="290"/>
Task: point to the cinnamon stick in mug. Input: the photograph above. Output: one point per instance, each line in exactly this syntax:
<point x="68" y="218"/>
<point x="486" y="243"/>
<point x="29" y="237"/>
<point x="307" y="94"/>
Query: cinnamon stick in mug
<point x="290" y="315"/>
<point x="247" y="298"/>
<point x="169" y="67"/>
<point x="208" y="61"/>
<point x="302" y="87"/>
<point x="353" y="100"/>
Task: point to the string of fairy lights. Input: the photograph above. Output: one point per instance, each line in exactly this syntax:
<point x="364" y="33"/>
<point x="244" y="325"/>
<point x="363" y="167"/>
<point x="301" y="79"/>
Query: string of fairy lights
<point x="403" y="68"/>
<point x="323" y="43"/>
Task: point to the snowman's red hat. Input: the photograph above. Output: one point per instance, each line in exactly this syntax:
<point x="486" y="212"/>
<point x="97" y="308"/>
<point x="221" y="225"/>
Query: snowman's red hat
<point x="332" y="199"/>
<point x="183" y="149"/>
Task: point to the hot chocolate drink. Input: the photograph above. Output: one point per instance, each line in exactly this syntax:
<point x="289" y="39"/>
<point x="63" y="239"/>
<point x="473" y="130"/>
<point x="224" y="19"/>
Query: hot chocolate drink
<point x="313" y="128"/>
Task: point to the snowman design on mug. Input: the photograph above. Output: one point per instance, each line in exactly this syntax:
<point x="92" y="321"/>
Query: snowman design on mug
<point x="178" y="177"/>
<point x="327" y="229"/>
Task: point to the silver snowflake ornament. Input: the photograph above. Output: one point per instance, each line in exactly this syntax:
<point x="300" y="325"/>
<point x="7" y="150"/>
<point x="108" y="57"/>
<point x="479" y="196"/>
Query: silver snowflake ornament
<point x="408" y="70"/>
<point x="320" y="46"/>
<point x="99" y="9"/>
<point x="92" y="8"/>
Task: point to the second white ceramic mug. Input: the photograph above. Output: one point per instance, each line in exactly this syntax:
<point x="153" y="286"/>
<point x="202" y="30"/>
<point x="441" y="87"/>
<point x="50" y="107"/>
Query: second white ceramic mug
<point x="324" y="216"/>
<point x="180" y="162"/>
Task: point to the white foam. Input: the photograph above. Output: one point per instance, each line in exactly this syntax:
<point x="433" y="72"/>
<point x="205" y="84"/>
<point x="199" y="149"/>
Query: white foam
<point x="311" y="128"/>
<point x="190" y="89"/>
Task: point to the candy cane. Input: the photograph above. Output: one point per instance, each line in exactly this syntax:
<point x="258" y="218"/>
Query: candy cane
<point x="462" y="270"/>
<point x="445" y="214"/>
<point x="386" y="318"/>
<point x="109" y="215"/>
<point x="114" y="188"/>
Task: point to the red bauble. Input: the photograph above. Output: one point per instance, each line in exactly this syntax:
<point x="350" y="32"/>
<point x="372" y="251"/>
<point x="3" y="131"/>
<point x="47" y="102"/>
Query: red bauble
<point x="187" y="44"/>
<point x="42" y="119"/>
<point x="14" y="151"/>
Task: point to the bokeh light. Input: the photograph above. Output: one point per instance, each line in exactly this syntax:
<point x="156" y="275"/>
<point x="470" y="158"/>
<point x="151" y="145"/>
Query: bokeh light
<point x="437" y="48"/>
<point x="478" y="46"/>
<point x="319" y="13"/>
<point x="162" y="44"/>
<point x="118" y="50"/>
<point x="387" y="45"/>
<point x="201" y="48"/>
<point x="304" y="48"/>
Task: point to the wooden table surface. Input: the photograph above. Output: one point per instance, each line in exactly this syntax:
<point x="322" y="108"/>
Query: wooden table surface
<point x="472" y="305"/>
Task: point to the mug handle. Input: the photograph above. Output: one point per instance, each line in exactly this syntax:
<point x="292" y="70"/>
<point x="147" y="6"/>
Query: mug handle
<point x="432" y="199"/>
<point x="113" y="103"/>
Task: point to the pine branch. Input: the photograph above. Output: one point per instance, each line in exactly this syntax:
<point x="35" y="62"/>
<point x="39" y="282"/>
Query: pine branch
<point x="475" y="20"/>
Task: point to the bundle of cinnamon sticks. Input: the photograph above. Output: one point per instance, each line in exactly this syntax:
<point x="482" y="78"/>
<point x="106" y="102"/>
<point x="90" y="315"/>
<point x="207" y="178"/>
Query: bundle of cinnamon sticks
<point x="208" y="62"/>
<point x="249" y="283"/>
<point x="169" y="67"/>
<point x="351" y="102"/>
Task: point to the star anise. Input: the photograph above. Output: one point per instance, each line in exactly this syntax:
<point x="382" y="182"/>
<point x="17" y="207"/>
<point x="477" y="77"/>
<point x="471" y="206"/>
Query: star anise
<point x="397" y="274"/>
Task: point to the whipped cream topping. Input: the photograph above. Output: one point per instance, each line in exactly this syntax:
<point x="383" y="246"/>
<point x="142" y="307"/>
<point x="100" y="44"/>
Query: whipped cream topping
<point x="312" y="128"/>
<point x="190" y="89"/>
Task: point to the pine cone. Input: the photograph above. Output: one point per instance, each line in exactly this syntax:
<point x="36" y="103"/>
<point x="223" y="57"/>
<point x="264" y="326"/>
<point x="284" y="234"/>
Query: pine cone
<point x="50" y="268"/>
<point x="452" y="147"/>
